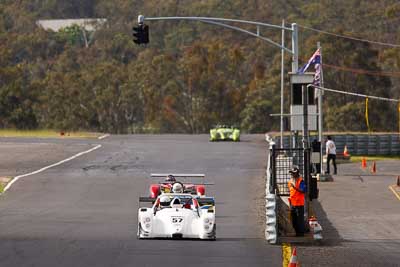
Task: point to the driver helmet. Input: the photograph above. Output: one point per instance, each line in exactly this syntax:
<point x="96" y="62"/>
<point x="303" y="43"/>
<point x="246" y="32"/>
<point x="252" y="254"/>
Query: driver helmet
<point x="170" y="178"/>
<point x="177" y="188"/>
<point x="164" y="201"/>
<point x="176" y="203"/>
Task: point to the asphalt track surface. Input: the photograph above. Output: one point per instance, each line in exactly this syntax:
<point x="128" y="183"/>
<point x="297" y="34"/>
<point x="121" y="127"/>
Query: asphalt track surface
<point x="84" y="212"/>
<point x="360" y="217"/>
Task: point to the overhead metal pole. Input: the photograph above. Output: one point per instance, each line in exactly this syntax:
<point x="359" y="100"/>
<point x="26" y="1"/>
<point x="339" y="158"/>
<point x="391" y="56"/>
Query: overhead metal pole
<point x="282" y="77"/>
<point x="217" y="19"/>
<point x="220" y="22"/>
<point x="295" y="65"/>
<point x="245" y="31"/>
<point x="354" y="94"/>
<point x="306" y="154"/>
<point x="295" y="48"/>
<point x="305" y="116"/>
<point x="320" y="117"/>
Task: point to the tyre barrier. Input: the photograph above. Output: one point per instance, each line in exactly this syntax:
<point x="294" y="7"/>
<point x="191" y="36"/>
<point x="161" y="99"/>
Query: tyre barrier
<point x="271" y="227"/>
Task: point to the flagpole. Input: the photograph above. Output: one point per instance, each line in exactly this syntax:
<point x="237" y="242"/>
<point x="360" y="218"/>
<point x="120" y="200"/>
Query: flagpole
<point x="398" y="107"/>
<point x="320" y="118"/>
<point x="366" y="114"/>
<point x="282" y="78"/>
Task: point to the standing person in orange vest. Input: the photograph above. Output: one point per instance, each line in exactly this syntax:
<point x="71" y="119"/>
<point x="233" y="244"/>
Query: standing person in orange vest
<point x="297" y="188"/>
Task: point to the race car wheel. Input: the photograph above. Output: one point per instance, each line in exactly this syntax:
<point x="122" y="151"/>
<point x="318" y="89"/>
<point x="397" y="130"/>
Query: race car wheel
<point x="214" y="233"/>
<point x="139" y="231"/>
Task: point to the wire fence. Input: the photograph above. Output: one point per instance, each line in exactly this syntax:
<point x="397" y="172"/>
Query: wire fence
<point x="358" y="144"/>
<point x="284" y="160"/>
<point x="350" y="37"/>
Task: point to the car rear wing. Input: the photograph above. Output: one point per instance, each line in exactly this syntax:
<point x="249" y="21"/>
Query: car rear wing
<point x="147" y="200"/>
<point x="198" y="175"/>
<point x="182" y="175"/>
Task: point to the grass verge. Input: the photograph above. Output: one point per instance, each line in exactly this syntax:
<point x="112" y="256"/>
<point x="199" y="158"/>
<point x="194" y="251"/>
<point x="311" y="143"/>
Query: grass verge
<point x="3" y="183"/>
<point x="46" y="133"/>
<point x="354" y="159"/>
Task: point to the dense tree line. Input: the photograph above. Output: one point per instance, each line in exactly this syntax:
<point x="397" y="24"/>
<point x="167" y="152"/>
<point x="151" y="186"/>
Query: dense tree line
<point x="191" y="75"/>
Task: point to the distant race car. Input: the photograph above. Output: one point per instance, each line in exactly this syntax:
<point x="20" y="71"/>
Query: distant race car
<point x="177" y="216"/>
<point x="171" y="184"/>
<point x="225" y="133"/>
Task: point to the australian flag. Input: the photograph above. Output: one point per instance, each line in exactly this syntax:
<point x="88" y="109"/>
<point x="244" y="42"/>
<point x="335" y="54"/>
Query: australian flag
<point x="316" y="61"/>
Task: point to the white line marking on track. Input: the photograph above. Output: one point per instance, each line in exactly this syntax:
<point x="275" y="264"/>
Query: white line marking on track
<point x="103" y="136"/>
<point x="16" y="178"/>
<point x="394" y="192"/>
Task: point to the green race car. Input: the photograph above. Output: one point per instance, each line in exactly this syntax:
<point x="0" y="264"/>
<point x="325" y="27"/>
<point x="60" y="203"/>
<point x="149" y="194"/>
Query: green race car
<point x="225" y="133"/>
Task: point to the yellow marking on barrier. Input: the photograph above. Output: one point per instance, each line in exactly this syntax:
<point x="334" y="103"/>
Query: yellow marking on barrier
<point x="394" y="192"/>
<point x="286" y="254"/>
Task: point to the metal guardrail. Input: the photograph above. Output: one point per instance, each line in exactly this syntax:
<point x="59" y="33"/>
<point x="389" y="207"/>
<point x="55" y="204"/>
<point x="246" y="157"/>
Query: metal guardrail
<point x="358" y="144"/>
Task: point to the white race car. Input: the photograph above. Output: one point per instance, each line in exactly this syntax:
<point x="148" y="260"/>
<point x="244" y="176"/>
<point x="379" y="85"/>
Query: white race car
<point x="177" y="216"/>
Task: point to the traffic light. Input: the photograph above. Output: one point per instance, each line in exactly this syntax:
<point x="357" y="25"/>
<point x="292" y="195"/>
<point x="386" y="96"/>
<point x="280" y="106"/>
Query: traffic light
<point x="137" y="34"/>
<point x="145" y="34"/>
<point x="141" y="34"/>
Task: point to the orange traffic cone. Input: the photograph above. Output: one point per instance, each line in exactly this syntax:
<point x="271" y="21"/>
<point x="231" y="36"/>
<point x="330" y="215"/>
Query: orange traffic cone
<point x="364" y="163"/>
<point x="293" y="260"/>
<point x="346" y="152"/>
<point x="373" y="168"/>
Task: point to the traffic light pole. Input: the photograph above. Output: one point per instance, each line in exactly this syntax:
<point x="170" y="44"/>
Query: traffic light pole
<point x="282" y="79"/>
<point x="219" y="22"/>
<point x="294" y="51"/>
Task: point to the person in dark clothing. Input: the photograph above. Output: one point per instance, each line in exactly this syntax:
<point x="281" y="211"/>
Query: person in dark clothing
<point x="331" y="155"/>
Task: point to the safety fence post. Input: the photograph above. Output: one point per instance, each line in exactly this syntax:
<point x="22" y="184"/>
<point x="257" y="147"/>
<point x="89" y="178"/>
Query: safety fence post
<point x="272" y="169"/>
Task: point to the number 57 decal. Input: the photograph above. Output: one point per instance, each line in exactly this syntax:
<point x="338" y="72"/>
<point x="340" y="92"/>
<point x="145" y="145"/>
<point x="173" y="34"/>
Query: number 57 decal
<point x="177" y="220"/>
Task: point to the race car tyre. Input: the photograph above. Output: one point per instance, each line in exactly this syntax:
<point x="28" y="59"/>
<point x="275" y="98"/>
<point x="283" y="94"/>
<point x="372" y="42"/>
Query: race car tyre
<point x="214" y="237"/>
<point x="139" y="231"/>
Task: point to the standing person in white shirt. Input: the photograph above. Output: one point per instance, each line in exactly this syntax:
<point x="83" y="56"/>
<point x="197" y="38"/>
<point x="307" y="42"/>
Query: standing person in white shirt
<point x="331" y="154"/>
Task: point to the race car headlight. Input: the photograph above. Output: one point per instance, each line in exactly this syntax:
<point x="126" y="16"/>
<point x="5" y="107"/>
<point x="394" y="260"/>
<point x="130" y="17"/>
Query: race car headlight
<point x="207" y="220"/>
<point x="206" y="227"/>
<point x="147" y="220"/>
<point x="147" y="225"/>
